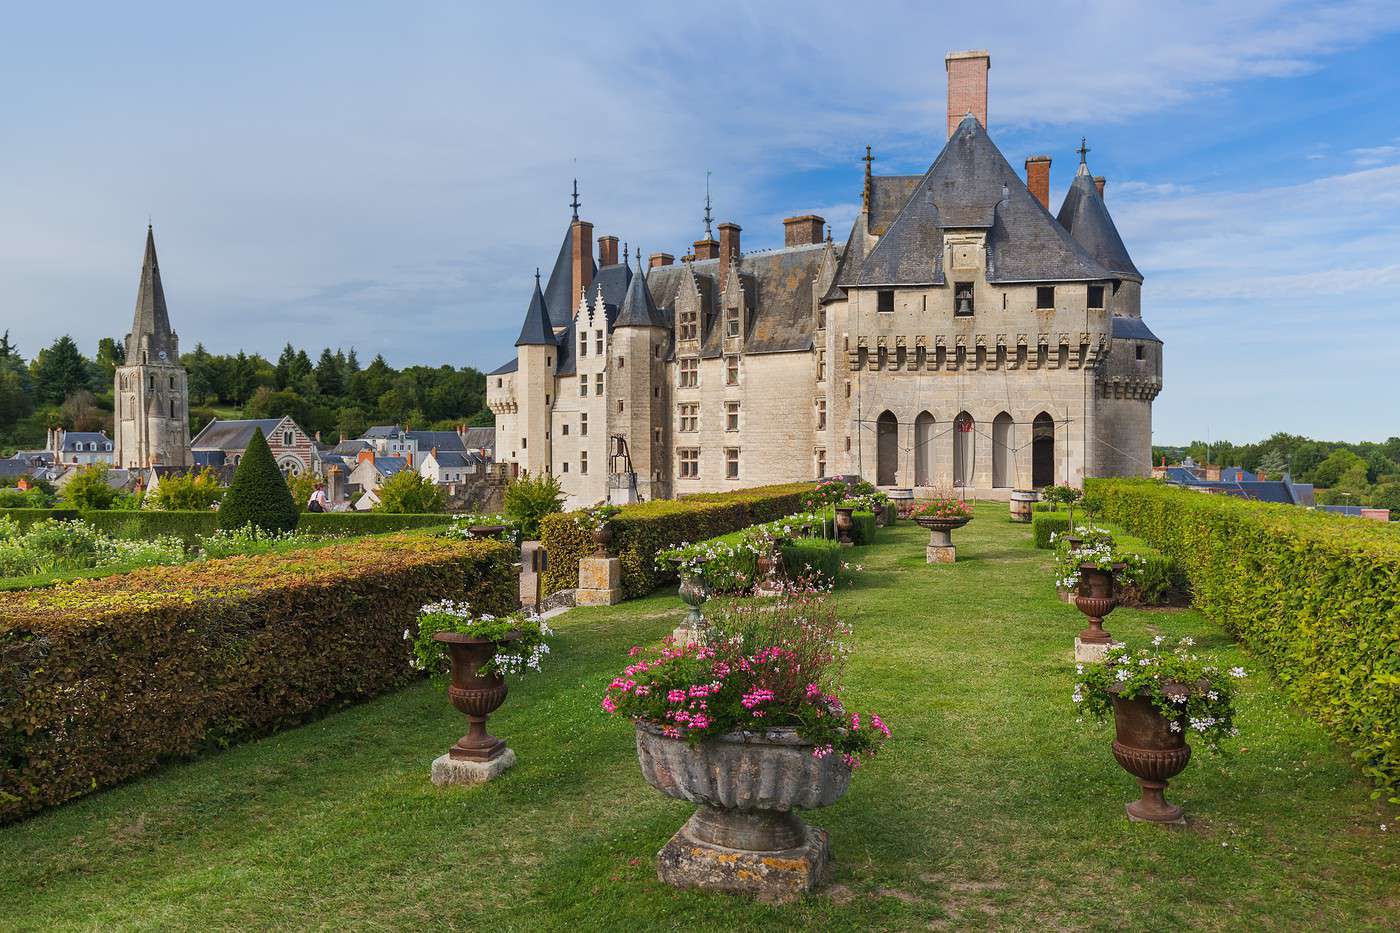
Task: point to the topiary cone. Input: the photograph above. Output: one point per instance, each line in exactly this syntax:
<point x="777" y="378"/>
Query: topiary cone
<point x="258" y="494"/>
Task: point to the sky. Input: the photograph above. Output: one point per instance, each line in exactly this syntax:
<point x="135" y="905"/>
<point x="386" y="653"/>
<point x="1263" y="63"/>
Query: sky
<point x="388" y="176"/>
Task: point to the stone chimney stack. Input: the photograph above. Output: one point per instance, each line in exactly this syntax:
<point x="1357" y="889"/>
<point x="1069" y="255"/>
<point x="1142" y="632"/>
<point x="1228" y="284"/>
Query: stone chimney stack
<point x="967" y="86"/>
<point x="804" y="230"/>
<point x="1038" y="178"/>
<point x="707" y="248"/>
<point x="661" y="259"/>
<point x="728" y="249"/>
<point x="607" y="250"/>
<point x="582" y="261"/>
<point x="1099" y="182"/>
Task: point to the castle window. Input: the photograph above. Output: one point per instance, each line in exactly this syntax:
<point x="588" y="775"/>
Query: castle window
<point x="656" y="435"/>
<point x="599" y="342"/>
<point x="821" y="366"/>
<point x="1096" y="297"/>
<point x="566" y="429"/>
<point x="731" y="370"/>
<point x="1140" y="354"/>
<point x="821" y="317"/>
<point x="500" y="382"/>
<point x="583" y="425"/>
<point x="656" y="351"/>
<point x="884" y="300"/>
<point x="962" y="298"/>
<point x="522" y="443"/>
<point x="546" y="398"/>
<point x="689" y="417"/>
<point x="172" y="382"/>
<point x="688" y="328"/>
<point x="821" y="462"/>
<point x="582" y="344"/>
<point x="1045" y="298"/>
<point x="689" y="372"/>
<point x="583" y="462"/>
<point x="583" y="386"/>
<point x="172" y="401"/>
<point x="688" y="459"/>
<point x="731" y="416"/>
<point x="821" y="414"/>
<point x="151" y="382"/>
<point x="731" y="322"/>
<point x="549" y="361"/>
<point x="566" y="466"/>
<point x="619" y="406"/>
<point x="656" y="391"/>
<point x="598" y="384"/>
<point x="731" y="463"/>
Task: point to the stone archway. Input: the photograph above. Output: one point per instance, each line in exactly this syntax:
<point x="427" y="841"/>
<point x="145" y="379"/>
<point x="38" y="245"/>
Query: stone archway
<point x="886" y="449"/>
<point x="1003" y="450"/>
<point x="923" y="449"/>
<point x="964" y="449"/>
<point x="1043" y="451"/>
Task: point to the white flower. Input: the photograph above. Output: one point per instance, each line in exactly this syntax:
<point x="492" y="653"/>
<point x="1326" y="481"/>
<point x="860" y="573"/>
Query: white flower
<point x="1159" y="639"/>
<point x="1175" y="726"/>
<point x="1237" y="672"/>
<point x="1079" y="668"/>
<point x="1122" y="674"/>
<point x="1187" y="641"/>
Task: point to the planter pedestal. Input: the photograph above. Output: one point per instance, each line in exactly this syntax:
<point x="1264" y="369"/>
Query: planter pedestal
<point x="599" y="582"/>
<point x="478" y="756"/>
<point x="775" y="876"/>
<point x="1086" y="652"/>
<point x="693" y="593"/>
<point x="529" y="574"/>
<point x="940" y="548"/>
<point x="448" y="770"/>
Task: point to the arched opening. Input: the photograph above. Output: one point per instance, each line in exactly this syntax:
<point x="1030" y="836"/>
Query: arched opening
<point x="923" y="449"/>
<point x="886" y="449"/>
<point x="1043" y="451"/>
<point x="964" y="449"/>
<point x="1003" y="450"/>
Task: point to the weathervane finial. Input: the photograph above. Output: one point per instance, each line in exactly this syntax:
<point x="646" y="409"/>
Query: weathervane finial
<point x="575" y="202"/>
<point x="1083" y="150"/>
<point x="708" y="216"/>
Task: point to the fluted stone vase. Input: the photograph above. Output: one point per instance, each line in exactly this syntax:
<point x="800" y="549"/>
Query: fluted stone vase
<point x="744" y="837"/>
<point x="940" y="549"/>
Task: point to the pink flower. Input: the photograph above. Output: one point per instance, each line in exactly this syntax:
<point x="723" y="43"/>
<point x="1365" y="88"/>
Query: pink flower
<point x="813" y="691"/>
<point x="879" y="724"/>
<point x="675" y="696"/>
<point x="609" y="704"/>
<point x="855" y="720"/>
<point x="671" y="732"/>
<point x="821" y="751"/>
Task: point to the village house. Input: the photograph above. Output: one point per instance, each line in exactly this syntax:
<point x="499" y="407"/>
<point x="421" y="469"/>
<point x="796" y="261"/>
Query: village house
<point x="81" y="448"/>
<point x="223" y="442"/>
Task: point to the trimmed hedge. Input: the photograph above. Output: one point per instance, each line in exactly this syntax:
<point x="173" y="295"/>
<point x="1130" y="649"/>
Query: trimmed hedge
<point x="147" y="523"/>
<point x="643" y="529"/>
<point x="1044" y="524"/>
<point x="1315" y="595"/>
<point x="807" y="556"/>
<point x="863" y="527"/>
<point x="102" y="680"/>
<point x="1162" y="581"/>
<point x="366" y="523"/>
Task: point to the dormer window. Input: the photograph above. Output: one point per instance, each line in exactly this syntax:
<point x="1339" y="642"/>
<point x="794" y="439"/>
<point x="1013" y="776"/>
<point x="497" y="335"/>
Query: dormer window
<point x="1045" y="298"/>
<point x="731" y="322"/>
<point x="688" y="328"/>
<point x="1096" y="297"/>
<point x="884" y="300"/>
<point x="962" y="299"/>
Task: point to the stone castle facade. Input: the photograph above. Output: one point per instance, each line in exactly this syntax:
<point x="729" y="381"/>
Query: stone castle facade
<point x="150" y="396"/>
<point x="962" y="336"/>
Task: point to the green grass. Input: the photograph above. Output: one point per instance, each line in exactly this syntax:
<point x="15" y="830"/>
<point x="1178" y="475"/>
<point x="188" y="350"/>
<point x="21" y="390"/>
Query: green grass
<point x="992" y="808"/>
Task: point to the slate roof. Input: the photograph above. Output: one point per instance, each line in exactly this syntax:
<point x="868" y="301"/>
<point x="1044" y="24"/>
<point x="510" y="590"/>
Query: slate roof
<point x="388" y="466"/>
<point x="969" y="186"/>
<point x="638" y="308"/>
<point x="442" y="440"/>
<point x="537" y="330"/>
<point x="385" y="431"/>
<point x="72" y="438"/>
<point x="454" y="459"/>
<point x="1133" y="328"/>
<point x="152" y="318"/>
<point x="15" y="467"/>
<point x="506" y="368"/>
<point x="480" y="438"/>
<point x="1086" y="217"/>
<point x="557" y="298"/>
<point x="232" y="435"/>
<point x="348" y="448"/>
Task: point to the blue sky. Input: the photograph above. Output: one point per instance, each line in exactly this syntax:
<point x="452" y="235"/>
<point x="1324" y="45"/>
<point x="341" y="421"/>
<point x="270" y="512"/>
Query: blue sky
<point x="388" y="176"/>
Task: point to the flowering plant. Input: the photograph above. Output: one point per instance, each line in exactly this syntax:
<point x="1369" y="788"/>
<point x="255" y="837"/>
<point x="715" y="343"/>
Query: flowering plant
<point x="942" y="505"/>
<point x="591" y="519"/>
<point x="463" y="524"/>
<point x="767" y="664"/>
<point x="1188" y="690"/>
<point x="520" y="638"/>
<point x="1097" y="548"/>
<point x="828" y="493"/>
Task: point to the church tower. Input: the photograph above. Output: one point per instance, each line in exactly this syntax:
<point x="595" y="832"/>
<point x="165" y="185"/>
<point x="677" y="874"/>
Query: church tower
<point x="152" y="417"/>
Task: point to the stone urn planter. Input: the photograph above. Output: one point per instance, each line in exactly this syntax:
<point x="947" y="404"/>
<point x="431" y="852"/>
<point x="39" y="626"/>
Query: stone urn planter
<point x="602" y="537"/>
<point x="1148" y="749"/>
<point x="769" y="577"/>
<point x="694" y="593"/>
<point x="940" y="548"/>
<point x="744" y="837"/>
<point x="486" y="531"/>
<point x="478" y="755"/>
<point x="845" y="521"/>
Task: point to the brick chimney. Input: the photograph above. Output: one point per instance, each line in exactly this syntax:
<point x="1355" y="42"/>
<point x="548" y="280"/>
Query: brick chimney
<point x="967" y="86"/>
<point x="582" y="260"/>
<point x="1038" y="178"/>
<point x="366" y="454"/>
<point x="1099" y="182"/>
<point x="728" y="249"/>
<point x="607" y="250"/>
<point x="660" y="259"/>
<point x="804" y="230"/>
<point x="707" y="248"/>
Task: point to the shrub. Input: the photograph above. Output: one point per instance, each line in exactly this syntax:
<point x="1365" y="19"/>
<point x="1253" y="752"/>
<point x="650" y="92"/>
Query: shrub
<point x="642" y="530"/>
<point x="88" y="489"/>
<point x="187" y="492"/>
<point x="805" y="558"/>
<point x="11" y="498"/>
<point x="258" y="494"/>
<point x="529" y="499"/>
<point x="106" y="679"/>
<point x="409" y="493"/>
<point x="1045" y="524"/>
<point x="1316" y="596"/>
<point x="863" y="527"/>
<point x="350" y="524"/>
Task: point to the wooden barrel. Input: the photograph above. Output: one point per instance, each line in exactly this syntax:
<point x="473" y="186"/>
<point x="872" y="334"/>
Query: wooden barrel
<point x="1022" y="501"/>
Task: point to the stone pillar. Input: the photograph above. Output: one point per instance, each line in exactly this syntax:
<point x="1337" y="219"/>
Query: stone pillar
<point x="532" y="556"/>
<point x="599" y="582"/>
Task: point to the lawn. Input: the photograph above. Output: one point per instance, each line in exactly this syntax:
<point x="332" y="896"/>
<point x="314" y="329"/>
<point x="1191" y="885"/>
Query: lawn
<point x="992" y="807"/>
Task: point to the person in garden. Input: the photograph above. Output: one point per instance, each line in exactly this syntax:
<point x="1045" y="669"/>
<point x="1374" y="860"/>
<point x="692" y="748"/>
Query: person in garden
<point x="318" y="501"/>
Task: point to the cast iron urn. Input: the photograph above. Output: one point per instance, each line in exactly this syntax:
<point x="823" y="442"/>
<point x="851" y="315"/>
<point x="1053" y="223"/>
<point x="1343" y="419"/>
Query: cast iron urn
<point x="475" y="695"/>
<point x="1096" y="600"/>
<point x="1152" y="751"/>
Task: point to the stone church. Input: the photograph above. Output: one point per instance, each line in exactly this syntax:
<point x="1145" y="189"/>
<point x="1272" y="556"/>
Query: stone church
<point x="962" y="336"/>
<point x="151" y="401"/>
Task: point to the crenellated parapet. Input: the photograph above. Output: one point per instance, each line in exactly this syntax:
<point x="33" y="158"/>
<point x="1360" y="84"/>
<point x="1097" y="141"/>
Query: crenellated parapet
<point x="1140" y="388"/>
<point x="974" y="352"/>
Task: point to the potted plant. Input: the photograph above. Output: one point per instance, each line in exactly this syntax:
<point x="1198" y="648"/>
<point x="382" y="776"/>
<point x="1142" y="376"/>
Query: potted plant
<point x="1158" y="697"/>
<point x="598" y="521"/>
<point x="749" y="727"/>
<point x="479" y="650"/>
<point x="940" y="515"/>
<point x="705" y="568"/>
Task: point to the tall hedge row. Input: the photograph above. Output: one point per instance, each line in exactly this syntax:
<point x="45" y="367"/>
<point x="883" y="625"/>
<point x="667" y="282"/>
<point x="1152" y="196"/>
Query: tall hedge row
<point x="102" y="680"/>
<point x="146" y="523"/>
<point x="1316" y="595"/>
<point x="641" y="530"/>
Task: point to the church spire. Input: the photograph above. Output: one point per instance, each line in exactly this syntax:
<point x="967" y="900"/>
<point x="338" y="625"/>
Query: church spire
<point x="150" y="325"/>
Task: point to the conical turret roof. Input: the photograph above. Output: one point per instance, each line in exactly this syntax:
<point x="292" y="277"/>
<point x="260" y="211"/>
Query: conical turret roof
<point x="638" y="308"/>
<point x="536" y="331"/>
<point x="150" y="326"/>
<point x="1086" y="217"/>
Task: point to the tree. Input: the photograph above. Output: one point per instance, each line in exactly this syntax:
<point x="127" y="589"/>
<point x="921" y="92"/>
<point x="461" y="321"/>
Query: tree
<point x="203" y="373"/>
<point x="1274" y="464"/>
<point x="408" y="493"/>
<point x="1339" y="463"/>
<point x="59" y="371"/>
<point x="328" y="374"/>
<point x="1387" y="496"/>
<point x="111" y="353"/>
<point x="285" y="362"/>
<point x="350" y="421"/>
<point x="187" y="492"/>
<point x="88" y="489"/>
<point x="258" y="494"/>
<point x="80" y="412"/>
<point x="529" y="499"/>
<point x="302" y="485"/>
